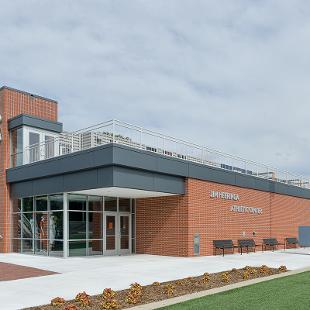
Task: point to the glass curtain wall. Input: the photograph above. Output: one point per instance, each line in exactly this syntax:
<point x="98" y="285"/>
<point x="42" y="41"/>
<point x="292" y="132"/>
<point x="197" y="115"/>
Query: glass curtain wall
<point x="89" y="230"/>
<point x="85" y="225"/>
<point x="38" y="225"/>
<point x="16" y="147"/>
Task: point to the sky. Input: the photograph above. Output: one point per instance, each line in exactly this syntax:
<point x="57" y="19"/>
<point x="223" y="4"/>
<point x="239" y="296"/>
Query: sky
<point x="230" y="75"/>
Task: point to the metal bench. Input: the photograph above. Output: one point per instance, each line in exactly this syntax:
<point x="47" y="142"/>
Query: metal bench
<point x="246" y="243"/>
<point x="223" y="245"/>
<point x="290" y="241"/>
<point x="270" y="242"/>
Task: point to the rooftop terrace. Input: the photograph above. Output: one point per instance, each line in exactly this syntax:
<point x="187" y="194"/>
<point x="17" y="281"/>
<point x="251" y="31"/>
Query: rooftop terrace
<point x="115" y="131"/>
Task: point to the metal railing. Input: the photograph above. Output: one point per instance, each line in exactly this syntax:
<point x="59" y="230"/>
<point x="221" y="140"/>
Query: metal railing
<point x="115" y="131"/>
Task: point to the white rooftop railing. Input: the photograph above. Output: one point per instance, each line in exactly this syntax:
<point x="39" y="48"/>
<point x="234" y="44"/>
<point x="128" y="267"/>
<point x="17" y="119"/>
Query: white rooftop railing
<point x="115" y="131"/>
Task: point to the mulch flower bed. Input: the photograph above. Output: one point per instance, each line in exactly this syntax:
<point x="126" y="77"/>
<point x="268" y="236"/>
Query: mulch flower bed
<point x="137" y="294"/>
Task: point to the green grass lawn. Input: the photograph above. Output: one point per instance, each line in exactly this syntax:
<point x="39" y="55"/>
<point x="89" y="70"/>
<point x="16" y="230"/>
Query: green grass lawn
<point x="292" y="292"/>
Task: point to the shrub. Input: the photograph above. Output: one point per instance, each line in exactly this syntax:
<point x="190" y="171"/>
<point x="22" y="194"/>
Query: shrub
<point x="246" y="275"/>
<point x="135" y="294"/>
<point x="250" y="270"/>
<point x="253" y="271"/>
<point x="225" y="277"/>
<point x="205" y="278"/>
<point x="169" y="290"/>
<point x="108" y="293"/>
<point x="58" y="301"/>
<point x="136" y="286"/>
<point x="264" y="270"/>
<point x="71" y="307"/>
<point x="83" y="299"/>
<point x="109" y="301"/>
<point x="156" y="284"/>
<point x="234" y="270"/>
<point x="282" y="269"/>
<point x="109" y="305"/>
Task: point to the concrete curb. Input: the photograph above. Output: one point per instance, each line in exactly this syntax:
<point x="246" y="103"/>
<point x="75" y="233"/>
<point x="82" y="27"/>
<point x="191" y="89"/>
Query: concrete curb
<point x="176" y="300"/>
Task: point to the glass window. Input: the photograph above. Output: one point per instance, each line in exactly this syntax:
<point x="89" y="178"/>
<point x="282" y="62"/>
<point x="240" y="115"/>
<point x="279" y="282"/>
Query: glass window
<point x="41" y="203"/>
<point x="17" y="205"/>
<point x="41" y="247"/>
<point x="49" y="146"/>
<point x="17" y="225"/>
<point x="55" y="226"/>
<point x="56" y="249"/>
<point x="28" y="225"/>
<point x="110" y="204"/>
<point x="77" y="248"/>
<point x="34" y="147"/>
<point x="17" y="147"/>
<point x="28" y="204"/>
<point x="41" y="228"/>
<point x="41" y="231"/>
<point x="34" y="138"/>
<point x="27" y="246"/>
<point x="19" y="142"/>
<point x="95" y="203"/>
<point x="95" y="247"/>
<point x="95" y="225"/>
<point x="124" y="205"/>
<point x="110" y="232"/>
<point x="77" y="202"/>
<point x="124" y="232"/>
<point x="56" y="202"/>
<point x="77" y="225"/>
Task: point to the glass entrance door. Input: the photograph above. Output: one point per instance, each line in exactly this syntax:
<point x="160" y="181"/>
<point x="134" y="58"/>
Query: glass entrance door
<point x="110" y="234"/>
<point x="117" y="233"/>
<point x="124" y="237"/>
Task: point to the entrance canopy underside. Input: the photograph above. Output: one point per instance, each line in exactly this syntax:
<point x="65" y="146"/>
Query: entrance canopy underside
<point x="122" y="192"/>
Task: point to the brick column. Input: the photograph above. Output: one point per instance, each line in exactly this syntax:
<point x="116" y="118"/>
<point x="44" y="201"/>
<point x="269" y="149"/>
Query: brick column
<point x="12" y="103"/>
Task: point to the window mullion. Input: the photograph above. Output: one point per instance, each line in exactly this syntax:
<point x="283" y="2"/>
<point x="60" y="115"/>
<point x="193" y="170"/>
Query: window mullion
<point x="87" y="226"/>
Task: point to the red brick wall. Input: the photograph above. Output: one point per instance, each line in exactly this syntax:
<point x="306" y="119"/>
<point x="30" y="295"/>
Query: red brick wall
<point x="161" y="226"/>
<point x="287" y="213"/>
<point x="158" y="219"/>
<point x="13" y="103"/>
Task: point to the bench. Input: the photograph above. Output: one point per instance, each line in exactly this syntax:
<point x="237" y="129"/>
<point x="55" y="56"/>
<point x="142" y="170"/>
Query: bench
<point x="270" y="242"/>
<point x="290" y="241"/>
<point x="246" y="243"/>
<point x="223" y="245"/>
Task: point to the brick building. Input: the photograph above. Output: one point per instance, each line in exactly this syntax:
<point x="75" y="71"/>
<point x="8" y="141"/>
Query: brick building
<point x="116" y="188"/>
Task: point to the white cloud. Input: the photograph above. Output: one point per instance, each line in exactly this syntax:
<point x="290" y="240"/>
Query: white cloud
<point x="233" y="75"/>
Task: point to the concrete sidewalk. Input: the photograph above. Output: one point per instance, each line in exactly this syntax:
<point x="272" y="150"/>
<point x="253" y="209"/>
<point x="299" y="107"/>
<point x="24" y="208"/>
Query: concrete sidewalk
<point x="93" y="274"/>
